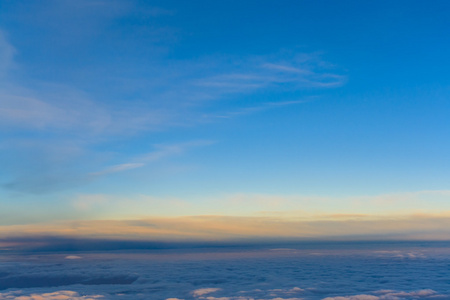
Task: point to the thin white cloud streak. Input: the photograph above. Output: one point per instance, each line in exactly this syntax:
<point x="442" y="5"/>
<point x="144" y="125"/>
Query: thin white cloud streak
<point x="163" y="151"/>
<point x="52" y="172"/>
<point x="286" y="68"/>
<point x="258" y="73"/>
<point x="118" y="168"/>
<point x="251" y="110"/>
<point x="174" y="149"/>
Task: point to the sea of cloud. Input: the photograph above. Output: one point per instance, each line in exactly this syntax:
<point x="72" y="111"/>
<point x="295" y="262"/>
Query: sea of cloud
<point x="325" y="271"/>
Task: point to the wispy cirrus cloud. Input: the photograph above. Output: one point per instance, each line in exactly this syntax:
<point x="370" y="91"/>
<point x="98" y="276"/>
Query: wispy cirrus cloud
<point x="250" y="110"/>
<point x="269" y="74"/>
<point x="295" y="71"/>
<point x="69" y="110"/>
<point x="177" y="99"/>
<point x="40" y="181"/>
<point x="161" y="152"/>
<point x="118" y="168"/>
<point x="41" y="117"/>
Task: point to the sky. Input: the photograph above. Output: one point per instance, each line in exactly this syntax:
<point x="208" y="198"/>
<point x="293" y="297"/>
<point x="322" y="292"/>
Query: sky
<point x="218" y="119"/>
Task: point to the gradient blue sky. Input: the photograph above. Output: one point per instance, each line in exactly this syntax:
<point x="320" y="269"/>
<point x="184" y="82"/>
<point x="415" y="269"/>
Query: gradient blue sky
<point x="127" y="109"/>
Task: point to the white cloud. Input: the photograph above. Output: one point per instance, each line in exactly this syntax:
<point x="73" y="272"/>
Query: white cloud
<point x="250" y="110"/>
<point x="161" y="152"/>
<point x="258" y="73"/>
<point x="356" y="297"/>
<point x="279" y="294"/>
<point x="59" y="295"/>
<point x="204" y="291"/>
<point x="167" y="150"/>
<point x="61" y="166"/>
<point x="413" y="294"/>
<point x="118" y="168"/>
<point x="73" y="257"/>
<point x="392" y="295"/>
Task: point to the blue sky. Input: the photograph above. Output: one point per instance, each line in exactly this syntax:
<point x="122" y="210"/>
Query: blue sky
<point x="236" y="108"/>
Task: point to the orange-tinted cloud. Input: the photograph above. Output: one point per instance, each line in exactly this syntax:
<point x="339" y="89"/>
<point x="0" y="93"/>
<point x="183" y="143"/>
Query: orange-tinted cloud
<point x="223" y="228"/>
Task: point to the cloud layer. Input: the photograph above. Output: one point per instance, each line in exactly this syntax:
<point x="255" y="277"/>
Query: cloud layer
<point x="331" y="271"/>
<point x="205" y="294"/>
<point x="229" y="228"/>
